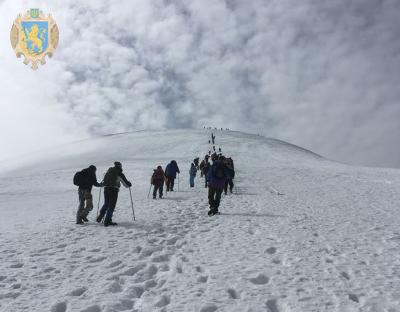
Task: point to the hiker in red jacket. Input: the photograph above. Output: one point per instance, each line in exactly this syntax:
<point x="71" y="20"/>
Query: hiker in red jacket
<point x="157" y="179"/>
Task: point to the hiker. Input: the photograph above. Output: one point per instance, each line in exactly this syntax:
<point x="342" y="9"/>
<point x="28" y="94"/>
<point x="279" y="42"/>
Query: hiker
<point x="157" y="179"/>
<point x="196" y="162"/>
<point x="85" y="179"/>
<point x="170" y="173"/>
<point x="204" y="167"/>
<point x="230" y="169"/>
<point x="213" y="138"/>
<point x="201" y="167"/>
<point x="216" y="181"/>
<point x="192" y="174"/>
<point x="112" y="182"/>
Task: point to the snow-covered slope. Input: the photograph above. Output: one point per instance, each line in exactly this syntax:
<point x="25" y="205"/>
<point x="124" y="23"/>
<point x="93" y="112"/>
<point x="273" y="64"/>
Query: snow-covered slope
<point x="300" y="233"/>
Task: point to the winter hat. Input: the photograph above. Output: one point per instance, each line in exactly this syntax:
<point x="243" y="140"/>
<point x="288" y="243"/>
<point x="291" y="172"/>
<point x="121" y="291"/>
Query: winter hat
<point x="159" y="167"/>
<point x="117" y="164"/>
<point x="92" y="167"/>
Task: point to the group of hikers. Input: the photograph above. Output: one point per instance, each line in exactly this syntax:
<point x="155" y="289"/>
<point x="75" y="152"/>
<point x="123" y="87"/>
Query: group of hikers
<point x="218" y="177"/>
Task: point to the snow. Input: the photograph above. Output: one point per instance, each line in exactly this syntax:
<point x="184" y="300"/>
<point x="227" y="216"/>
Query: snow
<point x="300" y="233"/>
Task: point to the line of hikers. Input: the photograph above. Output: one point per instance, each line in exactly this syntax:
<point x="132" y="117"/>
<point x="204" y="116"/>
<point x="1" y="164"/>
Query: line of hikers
<point x="218" y="176"/>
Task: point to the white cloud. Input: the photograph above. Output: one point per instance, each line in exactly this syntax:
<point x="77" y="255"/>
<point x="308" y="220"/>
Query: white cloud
<point x="322" y="75"/>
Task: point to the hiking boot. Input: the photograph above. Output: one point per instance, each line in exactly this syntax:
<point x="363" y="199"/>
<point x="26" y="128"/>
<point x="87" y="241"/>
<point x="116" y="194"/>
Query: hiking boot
<point x="107" y="223"/>
<point x="154" y="197"/>
<point x="98" y="219"/>
<point x="79" y="221"/>
<point x="85" y="219"/>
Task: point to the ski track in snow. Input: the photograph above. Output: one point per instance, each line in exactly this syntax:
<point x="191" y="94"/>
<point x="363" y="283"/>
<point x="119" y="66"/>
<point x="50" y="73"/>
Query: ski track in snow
<point x="326" y="238"/>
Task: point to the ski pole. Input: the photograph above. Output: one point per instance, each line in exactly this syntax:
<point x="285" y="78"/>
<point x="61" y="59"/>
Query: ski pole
<point x="133" y="211"/>
<point x="148" y="194"/>
<point x="98" y="203"/>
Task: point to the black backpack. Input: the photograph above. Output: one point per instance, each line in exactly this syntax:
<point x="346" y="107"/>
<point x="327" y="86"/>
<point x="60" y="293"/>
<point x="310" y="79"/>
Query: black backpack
<point x="218" y="171"/>
<point x="78" y="178"/>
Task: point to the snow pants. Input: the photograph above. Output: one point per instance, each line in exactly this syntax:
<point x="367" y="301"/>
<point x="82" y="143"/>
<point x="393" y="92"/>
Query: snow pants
<point x="170" y="184"/>
<point x="230" y="183"/>
<point x="191" y="180"/>
<point x="85" y="204"/>
<point x="110" y="201"/>
<point x="159" y="188"/>
<point x="214" y="198"/>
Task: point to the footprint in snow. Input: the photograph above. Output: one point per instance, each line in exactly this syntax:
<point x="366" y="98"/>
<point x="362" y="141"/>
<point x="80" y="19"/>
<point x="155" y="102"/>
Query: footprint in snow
<point x="95" y="250"/>
<point x="59" y="307"/>
<point x="261" y="279"/>
<point x="354" y="298"/>
<point x="150" y="284"/>
<point x="94" y="308"/>
<point x="271" y="250"/>
<point x="345" y="275"/>
<point x="135" y="292"/>
<point x="172" y="241"/>
<point x="122" y="305"/>
<point x="232" y="293"/>
<point x="48" y="270"/>
<point x="209" y="308"/>
<point x="146" y="274"/>
<point x="163" y="301"/>
<point x="17" y="265"/>
<point x="99" y="259"/>
<point x="115" y="287"/>
<point x="272" y="305"/>
<point x="114" y="264"/>
<point x="160" y="258"/>
<point x="202" y="279"/>
<point x="78" y="291"/>
<point x="132" y="271"/>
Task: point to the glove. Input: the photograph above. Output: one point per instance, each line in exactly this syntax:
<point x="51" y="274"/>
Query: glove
<point x="129" y="184"/>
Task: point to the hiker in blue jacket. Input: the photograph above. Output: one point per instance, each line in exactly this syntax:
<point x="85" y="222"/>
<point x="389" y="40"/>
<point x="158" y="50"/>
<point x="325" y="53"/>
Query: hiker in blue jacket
<point x="216" y="178"/>
<point x="170" y="173"/>
<point x="192" y="174"/>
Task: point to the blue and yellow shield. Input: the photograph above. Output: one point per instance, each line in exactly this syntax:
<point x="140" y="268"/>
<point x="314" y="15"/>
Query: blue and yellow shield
<point x="35" y="37"/>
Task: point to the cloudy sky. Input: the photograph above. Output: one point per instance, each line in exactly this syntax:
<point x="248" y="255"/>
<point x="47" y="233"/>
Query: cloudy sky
<point x="320" y="74"/>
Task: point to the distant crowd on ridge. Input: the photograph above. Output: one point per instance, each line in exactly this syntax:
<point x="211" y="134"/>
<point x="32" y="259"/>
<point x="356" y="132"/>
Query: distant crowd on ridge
<point x="218" y="178"/>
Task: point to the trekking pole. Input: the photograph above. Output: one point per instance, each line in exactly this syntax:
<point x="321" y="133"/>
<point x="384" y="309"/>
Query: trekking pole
<point x="98" y="203"/>
<point x="178" y="182"/>
<point x="148" y="194"/>
<point x="133" y="211"/>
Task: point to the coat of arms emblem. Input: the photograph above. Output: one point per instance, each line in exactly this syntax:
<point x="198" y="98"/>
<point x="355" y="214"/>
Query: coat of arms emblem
<point x="34" y="36"/>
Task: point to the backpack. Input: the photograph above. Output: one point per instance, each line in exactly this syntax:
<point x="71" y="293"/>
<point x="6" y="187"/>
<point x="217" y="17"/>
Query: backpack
<point x="111" y="177"/>
<point x="78" y="178"/>
<point x="157" y="176"/>
<point x="218" y="171"/>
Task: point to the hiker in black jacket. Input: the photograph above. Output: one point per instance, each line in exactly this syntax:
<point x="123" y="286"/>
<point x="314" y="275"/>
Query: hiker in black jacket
<point x="85" y="179"/>
<point x="112" y="182"/>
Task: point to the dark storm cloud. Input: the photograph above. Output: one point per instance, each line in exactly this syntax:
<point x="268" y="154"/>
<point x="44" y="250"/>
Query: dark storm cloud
<point x="320" y="74"/>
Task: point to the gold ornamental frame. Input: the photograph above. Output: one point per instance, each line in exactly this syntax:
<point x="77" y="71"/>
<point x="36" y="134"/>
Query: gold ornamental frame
<point x="17" y="37"/>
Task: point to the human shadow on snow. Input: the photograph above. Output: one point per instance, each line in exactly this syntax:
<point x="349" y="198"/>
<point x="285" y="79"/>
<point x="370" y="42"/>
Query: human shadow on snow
<point x="258" y="215"/>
